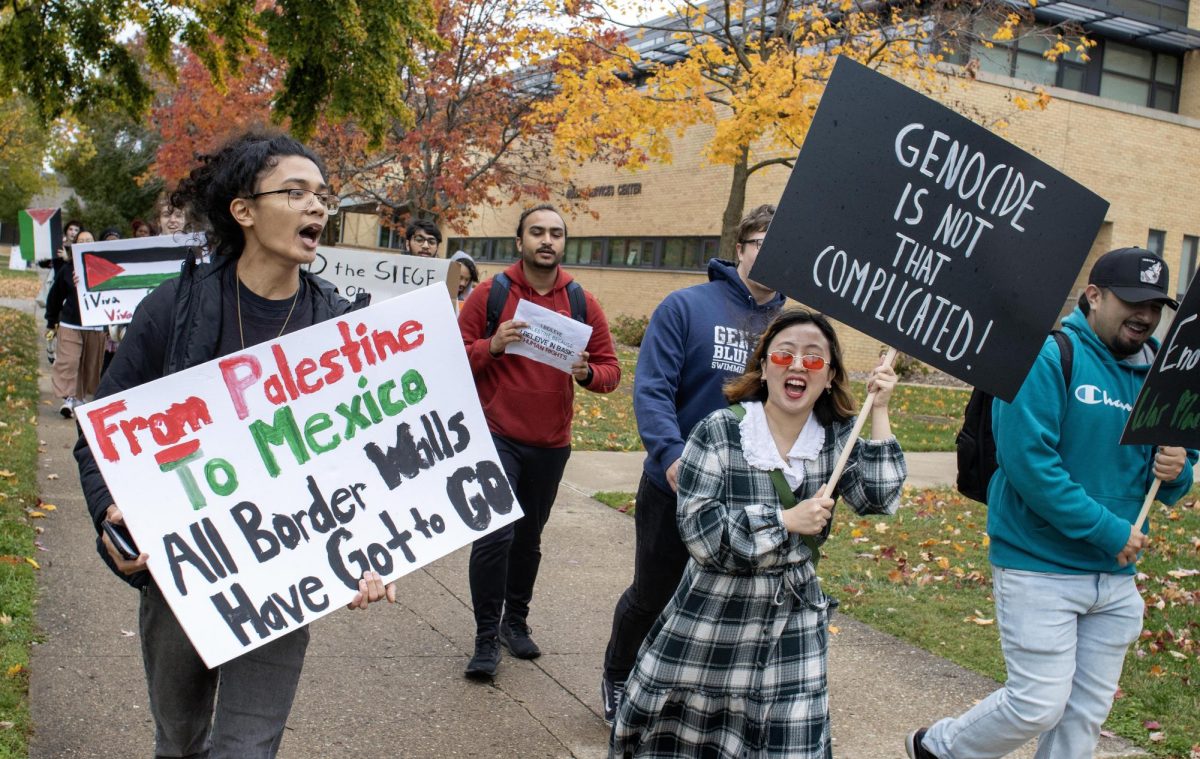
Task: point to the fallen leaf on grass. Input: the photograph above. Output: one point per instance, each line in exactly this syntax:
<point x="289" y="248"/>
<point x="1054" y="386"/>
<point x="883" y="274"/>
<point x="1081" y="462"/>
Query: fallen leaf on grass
<point x="1156" y="737"/>
<point x="5" y="619"/>
<point x="6" y="474"/>
<point x="980" y="620"/>
<point x="32" y="563"/>
<point x="1179" y="574"/>
<point x="36" y="515"/>
<point x="1151" y="724"/>
<point x="15" y="670"/>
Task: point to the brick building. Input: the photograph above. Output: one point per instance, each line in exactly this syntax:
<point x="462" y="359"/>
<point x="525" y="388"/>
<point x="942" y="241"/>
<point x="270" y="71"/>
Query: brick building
<point x="1125" y="124"/>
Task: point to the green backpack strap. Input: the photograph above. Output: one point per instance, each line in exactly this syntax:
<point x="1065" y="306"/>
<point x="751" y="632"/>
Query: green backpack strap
<point x="786" y="496"/>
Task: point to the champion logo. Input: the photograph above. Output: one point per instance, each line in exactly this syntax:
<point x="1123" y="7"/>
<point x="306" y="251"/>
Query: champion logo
<point x="1093" y="396"/>
<point x="1151" y="271"/>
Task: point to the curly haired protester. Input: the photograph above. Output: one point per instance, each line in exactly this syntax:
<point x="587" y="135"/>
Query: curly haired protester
<point x="265" y="200"/>
<point x="1061" y="512"/>
<point x="736" y="664"/>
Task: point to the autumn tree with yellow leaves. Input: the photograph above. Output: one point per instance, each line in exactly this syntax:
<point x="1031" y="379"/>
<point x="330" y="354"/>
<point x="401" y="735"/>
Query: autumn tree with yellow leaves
<point x="753" y="72"/>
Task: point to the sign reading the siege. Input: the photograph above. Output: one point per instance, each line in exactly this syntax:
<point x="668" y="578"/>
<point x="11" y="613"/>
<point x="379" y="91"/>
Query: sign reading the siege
<point x="264" y="483"/>
<point x="383" y="275"/>
<point x="910" y="223"/>
<point x="1167" y="411"/>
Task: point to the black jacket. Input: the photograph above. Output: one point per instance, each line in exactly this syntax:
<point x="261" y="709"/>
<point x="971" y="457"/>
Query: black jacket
<point x="176" y="327"/>
<point x="62" y="304"/>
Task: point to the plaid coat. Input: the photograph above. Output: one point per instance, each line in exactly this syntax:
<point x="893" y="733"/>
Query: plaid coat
<point x="736" y="664"/>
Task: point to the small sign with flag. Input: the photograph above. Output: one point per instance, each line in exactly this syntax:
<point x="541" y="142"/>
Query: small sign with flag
<point x="41" y="237"/>
<point x="114" y="276"/>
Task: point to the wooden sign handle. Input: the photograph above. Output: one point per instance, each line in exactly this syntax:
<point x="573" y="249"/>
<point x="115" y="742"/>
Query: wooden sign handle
<point x="836" y="475"/>
<point x="1141" y="520"/>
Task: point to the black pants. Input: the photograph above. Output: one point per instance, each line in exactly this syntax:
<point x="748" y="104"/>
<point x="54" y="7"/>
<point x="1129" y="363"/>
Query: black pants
<point x="504" y="564"/>
<point x="658" y="563"/>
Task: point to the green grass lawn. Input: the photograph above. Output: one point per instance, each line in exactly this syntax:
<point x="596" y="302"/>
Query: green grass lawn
<point x="18" y="509"/>
<point x="923" y="418"/>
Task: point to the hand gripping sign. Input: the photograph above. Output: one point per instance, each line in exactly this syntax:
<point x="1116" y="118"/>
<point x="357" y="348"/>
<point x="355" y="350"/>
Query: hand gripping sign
<point x="264" y="483"/>
<point x="910" y="223"/>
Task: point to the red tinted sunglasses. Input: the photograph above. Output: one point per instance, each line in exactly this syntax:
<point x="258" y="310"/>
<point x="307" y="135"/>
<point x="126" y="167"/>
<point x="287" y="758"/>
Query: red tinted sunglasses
<point x="809" y="361"/>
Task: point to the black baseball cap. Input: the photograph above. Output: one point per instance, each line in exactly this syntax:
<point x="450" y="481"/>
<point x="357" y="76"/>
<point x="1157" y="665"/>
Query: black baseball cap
<point x="1135" y="275"/>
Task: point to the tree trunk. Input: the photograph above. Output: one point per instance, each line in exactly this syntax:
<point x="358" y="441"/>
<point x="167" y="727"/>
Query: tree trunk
<point x="735" y="206"/>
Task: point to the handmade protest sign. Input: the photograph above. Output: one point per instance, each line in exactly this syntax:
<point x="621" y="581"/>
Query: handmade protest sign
<point x="383" y="275"/>
<point x="910" y="223"/>
<point x="264" y="483"/>
<point x="550" y="338"/>
<point x="41" y="237"/>
<point x="1167" y="410"/>
<point x="114" y="276"/>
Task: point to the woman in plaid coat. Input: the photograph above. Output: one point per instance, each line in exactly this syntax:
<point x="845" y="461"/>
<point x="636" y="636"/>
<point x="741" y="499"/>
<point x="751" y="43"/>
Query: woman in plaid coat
<point x="736" y="664"/>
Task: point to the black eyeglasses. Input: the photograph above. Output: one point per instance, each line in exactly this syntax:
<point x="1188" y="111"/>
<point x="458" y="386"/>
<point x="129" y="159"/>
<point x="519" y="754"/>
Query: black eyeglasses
<point x="302" y="200"/>
<point x="756" y="243"/>
<point x="419" y="240"/>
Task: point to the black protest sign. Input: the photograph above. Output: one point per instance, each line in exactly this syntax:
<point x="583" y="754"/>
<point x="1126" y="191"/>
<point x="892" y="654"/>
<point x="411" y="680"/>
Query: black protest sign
<point x="1167" y="411"/>
<point x="908" y="222"/>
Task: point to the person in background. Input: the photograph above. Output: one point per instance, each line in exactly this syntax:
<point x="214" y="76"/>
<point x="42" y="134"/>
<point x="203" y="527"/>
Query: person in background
<point x="468" y="278"/>
<point x="422" y="238"/>
<point x="171" y="220"/>
<point x="110" y="233"/>
<point x="528" y="406"/>
<point x="736" y="665"/>
<point x="79" y="358"/>
<point x="141" y="228"/>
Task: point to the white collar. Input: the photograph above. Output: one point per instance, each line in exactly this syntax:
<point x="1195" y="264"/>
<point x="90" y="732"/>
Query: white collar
<point x="758" y="446"/>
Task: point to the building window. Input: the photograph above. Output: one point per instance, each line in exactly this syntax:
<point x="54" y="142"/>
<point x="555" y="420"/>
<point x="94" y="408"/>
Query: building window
<point x="683" y="253"/>
<point x="1113" y="70"/>
<point x="1187" y="264"/>
<point x="1156" y="242"/>
<point x="391" y="237"/>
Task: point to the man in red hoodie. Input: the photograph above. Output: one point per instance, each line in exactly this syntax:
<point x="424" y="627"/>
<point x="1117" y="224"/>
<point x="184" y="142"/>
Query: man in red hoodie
<point x="528" y="406"/>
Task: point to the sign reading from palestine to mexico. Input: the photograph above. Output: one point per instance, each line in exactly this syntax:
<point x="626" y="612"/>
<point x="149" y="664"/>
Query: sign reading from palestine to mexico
<point x="908" y="222"/>
<point x="262" y="484"/>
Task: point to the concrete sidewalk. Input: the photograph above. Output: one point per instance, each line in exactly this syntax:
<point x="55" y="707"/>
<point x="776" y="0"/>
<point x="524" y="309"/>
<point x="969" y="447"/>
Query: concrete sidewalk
<point x="388" y="682"/>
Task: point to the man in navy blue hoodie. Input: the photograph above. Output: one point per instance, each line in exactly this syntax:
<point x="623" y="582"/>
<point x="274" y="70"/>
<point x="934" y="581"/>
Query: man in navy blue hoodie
<point x="1061" y="512"/>
<point x="698" y="337"/>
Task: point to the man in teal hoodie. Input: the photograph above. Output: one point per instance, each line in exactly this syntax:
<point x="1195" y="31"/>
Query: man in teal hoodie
<point x="1061" y="512"/>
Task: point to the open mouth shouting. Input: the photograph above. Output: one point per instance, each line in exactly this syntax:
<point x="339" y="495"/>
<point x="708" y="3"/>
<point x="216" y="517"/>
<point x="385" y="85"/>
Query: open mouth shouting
<point x="310" y="235"/>
<point x="795" y="387"/>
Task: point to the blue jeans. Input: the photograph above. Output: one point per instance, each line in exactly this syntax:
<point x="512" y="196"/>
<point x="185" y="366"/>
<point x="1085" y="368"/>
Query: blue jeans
<point x="236" y="711"/>
<point x="1064" y="639"/>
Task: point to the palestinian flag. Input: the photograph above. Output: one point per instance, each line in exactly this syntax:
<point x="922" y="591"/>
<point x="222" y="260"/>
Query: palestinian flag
<point x="41" y="233"/>
<point x="141" y="263"/>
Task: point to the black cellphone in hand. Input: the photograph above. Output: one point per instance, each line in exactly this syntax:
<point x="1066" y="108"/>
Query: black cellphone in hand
<point x="121" y="539"/>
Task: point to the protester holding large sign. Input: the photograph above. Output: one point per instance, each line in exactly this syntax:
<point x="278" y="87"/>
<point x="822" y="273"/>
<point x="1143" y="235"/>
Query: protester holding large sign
<point x="528" y="405"/>
<point x="736" y="663"/>
<point x="266" y="201"/>
<point x="1062" y="508"/>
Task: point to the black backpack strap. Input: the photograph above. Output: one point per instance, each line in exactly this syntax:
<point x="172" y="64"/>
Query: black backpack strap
<point x="1066" y="354"/>
<point x="786" y="496"/>
<point x="578" y="301"/>
<point x="497" y="297"/>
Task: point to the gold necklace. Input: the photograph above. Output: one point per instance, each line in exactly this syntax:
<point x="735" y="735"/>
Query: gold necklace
<point x="241" y="334"/>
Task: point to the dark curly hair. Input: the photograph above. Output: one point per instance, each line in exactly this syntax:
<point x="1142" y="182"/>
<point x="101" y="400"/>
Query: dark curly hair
<point x="836" y="405"/>
<point x="232" y="172"/>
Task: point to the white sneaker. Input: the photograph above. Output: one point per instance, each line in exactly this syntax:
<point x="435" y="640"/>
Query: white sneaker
<point x="68" y="408"/>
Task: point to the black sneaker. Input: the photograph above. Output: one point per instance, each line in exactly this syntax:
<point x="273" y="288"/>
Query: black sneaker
<point x="487" y="657"/>
<point x="912" y="744"/>
<point x="515" y="637"/>
<point x="610" y="695"/>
